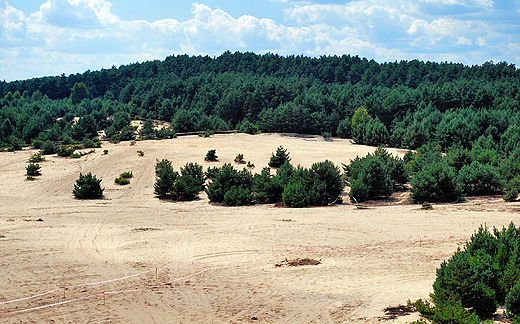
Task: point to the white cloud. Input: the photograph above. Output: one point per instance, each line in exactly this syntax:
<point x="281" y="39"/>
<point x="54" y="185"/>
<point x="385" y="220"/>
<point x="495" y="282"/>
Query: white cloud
<point x="463" y="41"/>
<point x="12" y="25"/>
<point x="75" y="35"/>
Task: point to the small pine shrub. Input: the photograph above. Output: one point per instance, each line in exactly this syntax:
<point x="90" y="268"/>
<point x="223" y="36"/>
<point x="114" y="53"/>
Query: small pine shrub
<point x="250" y="165"/>
<point x="122" y="181"/>
<point x="240" y="159"/>
<point x="30" y="178"/>
<point x="75" y="155"/>
<point x="88" y="187"/>
<point x="451" y="312"/>
<point x="89" y="143"/>
<point x="127" y="175"/>
<point x="294" y="195"/>
<point x="326" y="136"/>
<point x="279" y="158"/>
<point x="105" y="152"/>
<point x="513" y="301"/>
<point x="66" y="151"/>
<point x="48" y="147"/>
<point x="426" y="205"/>
<point x="238" y="196"/>
<point x="33" y="169"/>
<point x="37" y="157"/>
<point x="511" y="195"/>
<point x="140" y="153"/>
<point x="211" y="156"/>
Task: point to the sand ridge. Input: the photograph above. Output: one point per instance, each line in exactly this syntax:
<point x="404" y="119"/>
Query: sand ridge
<point x="199" y="262"/>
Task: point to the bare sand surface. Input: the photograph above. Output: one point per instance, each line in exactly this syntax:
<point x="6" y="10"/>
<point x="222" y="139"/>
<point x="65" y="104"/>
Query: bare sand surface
<point x="132" y="258"/>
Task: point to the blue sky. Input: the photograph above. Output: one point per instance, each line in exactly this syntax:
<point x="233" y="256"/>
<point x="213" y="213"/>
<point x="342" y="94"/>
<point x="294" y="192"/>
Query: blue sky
<point x="51" y="37"/>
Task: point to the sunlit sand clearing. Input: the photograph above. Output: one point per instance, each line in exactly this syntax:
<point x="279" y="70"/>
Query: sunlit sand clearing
<point x="132" y="258"/>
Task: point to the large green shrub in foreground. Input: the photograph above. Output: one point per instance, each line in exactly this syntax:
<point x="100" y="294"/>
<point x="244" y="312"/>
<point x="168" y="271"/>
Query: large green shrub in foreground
<point x="472" y="279"/>
<point x="478" y="278"/>
<point x="88" y="187"/>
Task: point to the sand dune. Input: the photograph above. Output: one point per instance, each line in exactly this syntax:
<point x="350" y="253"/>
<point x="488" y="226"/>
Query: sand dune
<point x="195" y="262"/>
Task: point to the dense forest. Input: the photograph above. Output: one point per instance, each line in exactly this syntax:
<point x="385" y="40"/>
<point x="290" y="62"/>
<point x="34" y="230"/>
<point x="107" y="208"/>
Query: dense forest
<point x="472" y="113"/>
<point x="409" y="103"/>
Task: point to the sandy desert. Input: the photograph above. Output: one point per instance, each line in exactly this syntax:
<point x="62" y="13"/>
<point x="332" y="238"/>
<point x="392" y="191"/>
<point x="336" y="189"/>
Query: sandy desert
<point x="132" y="258"/>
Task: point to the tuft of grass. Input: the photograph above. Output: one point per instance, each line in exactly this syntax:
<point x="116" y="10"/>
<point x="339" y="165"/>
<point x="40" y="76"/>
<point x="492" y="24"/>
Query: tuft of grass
<point x="37" y="157"/>
<point x="121" y="181"/>
<point x="426" y="206"/>
<point x="140" y="153"/>
<point x="127" y="175"/>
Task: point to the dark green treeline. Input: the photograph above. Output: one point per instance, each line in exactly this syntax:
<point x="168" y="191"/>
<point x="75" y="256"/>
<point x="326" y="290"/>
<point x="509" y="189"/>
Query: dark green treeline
<point x="408" y="103"/>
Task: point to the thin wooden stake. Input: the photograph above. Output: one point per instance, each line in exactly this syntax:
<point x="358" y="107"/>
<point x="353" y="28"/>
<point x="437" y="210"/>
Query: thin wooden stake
<point x="64" y="292"/>
<point x="104" y="301"/>
<point x="155" y="273"/>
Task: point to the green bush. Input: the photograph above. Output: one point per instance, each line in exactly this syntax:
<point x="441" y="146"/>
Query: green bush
<point x="66" y="151"/>
<point x="37" y="144"/>
<point x="33" y="169"/>
<point x="127" y="175"/>
<point x="87" y="187"/>
<point x="344" y="128"/>
<point x="327" y="183"/>
<point x="240" y="159"/>
<point x="369" y="178"/>
<point x="482" y="275"/>
<point x="320" y="185"/>
<point x="48" y="147"/>
<point x="247" y="127"/>
<point x="479" y="179"/>
<point x="295" y="195"/>
<point x="37" y="157"/>
<point x="445" y="313"/>
<point x="512" y="302"/>
<point x="166" y="177"/>
<point x="189" y="184"/>
<point x="471" y="279"/>
<point x="224" y="179"/>
<point x="267" y="189"/>
<point x="122" y="181"/>
<point x="238" y="196"/>
<point x="186" y="186"/>
<point x="435" y="182"/>
<point x="512" y="189"/>
<point x="279" y="158"/>
<point x="89" y="143"/>
<point x="211" y="156"/>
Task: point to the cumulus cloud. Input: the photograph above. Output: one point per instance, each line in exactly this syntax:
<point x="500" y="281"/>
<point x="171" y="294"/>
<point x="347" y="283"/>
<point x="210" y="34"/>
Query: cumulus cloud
<point x="75" y="35"/>
<point x="12" y="25"/>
